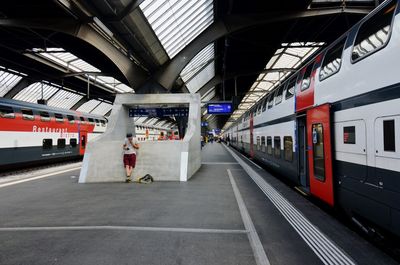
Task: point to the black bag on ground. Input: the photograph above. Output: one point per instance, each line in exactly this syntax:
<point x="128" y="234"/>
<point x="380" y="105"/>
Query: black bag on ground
<point x="146" y="179"/>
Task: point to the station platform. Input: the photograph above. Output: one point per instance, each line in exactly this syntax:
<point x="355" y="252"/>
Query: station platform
<point x="230" y="212"/>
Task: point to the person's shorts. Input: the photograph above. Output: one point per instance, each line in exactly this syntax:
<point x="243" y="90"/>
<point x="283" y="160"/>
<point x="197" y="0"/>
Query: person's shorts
<point x="130" y="160"/>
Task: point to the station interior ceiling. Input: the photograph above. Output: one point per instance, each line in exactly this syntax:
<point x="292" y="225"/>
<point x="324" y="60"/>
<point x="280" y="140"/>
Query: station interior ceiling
<point x="78" y="54"/>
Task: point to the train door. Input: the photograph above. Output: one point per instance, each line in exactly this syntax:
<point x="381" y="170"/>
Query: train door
<point x="385" y="153"/>
<point x="82" y="142"/>
<point x="251" y="136"/>
<point x="320" y="153"/>
<point x="302" y="151"/>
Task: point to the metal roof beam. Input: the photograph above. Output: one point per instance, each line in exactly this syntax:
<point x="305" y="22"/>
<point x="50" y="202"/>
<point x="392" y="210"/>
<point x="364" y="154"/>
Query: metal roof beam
<point x="210" y="84"/>
<point x="79" y="103"/>
<point x="129" y="8"/>
<point x="170" y="71"/>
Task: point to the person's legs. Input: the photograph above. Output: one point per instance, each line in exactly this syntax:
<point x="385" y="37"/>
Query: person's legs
<point x="128" y="170"/>
<point x="129" y="163"/>
<point x="133" y="163"/>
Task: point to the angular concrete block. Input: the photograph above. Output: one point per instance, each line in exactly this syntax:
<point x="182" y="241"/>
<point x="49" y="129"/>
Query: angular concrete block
<point x="176" y="160"/>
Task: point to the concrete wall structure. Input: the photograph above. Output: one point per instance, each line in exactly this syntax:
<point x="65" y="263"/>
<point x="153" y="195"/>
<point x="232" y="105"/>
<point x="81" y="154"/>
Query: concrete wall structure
<point x="174" y="160"/>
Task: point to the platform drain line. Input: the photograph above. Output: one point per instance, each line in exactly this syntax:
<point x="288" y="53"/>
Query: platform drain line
<point x="258" y="249"/>
<point x="321" y="245"/>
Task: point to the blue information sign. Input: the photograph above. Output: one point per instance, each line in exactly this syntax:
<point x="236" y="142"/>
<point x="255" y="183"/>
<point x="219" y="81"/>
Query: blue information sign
<point x="219" y="108"/>
<point x="159" y="112"/>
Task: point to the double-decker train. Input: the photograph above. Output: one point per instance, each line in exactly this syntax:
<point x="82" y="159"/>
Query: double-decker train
<point x="333" y="127"/>
<point x="33" y="134"/>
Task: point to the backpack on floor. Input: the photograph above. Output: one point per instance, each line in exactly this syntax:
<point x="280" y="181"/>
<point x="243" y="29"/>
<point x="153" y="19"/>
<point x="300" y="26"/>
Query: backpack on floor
<point x="146" y="179"/>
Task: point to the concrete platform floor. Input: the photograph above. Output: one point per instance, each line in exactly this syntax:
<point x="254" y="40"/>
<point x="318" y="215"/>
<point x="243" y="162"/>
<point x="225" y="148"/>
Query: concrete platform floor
<point x="55" y="220"/>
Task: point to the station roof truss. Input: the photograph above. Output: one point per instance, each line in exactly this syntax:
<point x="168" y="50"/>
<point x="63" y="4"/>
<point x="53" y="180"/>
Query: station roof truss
<point x="74" y="66"/>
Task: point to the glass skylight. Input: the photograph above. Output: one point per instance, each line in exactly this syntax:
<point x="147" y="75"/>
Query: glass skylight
<point x="72" y="63"/>
<point x="200" y="69"/>
<point x="176" y="22"/>
<point x="64" y="99"/>
<point x="57" y="96"/>
<point x="34" y="92"/>
<point x="89" y="106"/>
<point x="102" y="109"/>
<point x="7" y="81"/>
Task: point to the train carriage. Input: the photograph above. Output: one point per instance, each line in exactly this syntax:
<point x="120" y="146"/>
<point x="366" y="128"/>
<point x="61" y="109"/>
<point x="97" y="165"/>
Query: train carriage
<point x="32" y="133"/>
<point x="333" y="128"/>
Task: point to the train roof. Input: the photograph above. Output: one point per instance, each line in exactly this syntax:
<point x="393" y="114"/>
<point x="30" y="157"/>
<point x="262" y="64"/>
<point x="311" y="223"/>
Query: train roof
<point x="33" y="106"/>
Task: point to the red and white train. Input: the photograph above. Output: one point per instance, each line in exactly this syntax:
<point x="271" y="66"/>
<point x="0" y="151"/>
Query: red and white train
<point x="32" y="133"/>
<point x="333" y="128"/>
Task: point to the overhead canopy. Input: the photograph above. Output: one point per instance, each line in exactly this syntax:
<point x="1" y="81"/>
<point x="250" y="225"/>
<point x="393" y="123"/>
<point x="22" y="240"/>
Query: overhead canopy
<point x="225" y="48"/>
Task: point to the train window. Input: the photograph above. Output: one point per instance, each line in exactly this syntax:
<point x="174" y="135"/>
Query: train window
<point x="332" y="60"/>
<point x="7" y="112"/>
<point x="269" y="145"/>
<point x="60" y="143"/>
<point x="59" y="117"/>
<point x="349" y="135"/>
<point x="258" y="143"/>
<point x="27" y="114"/>
<point x="255" y="111"/>
<point x="270" y="101"/>
<point x="73" y="142"/>
<point x="44" y="116"/>
<point x="305" y="84"/>
<point x="259" y="108"/>
<point x="318" y="151"/>
<point x="91" y="120"/>
<point x="374" y="33"/>
<point x="288" y="148"/>
<point x="82" y="119"/>
<point x="290" y="88"/>
<point x="278" y="95"/>
<point x="97" y="122"/>
<point x="47" y="143"/>
<point x="264" y="105"/>
<point x="71" y="118"/>
<point x="277" y="147"/>
<point x="389" y="143"/>
<point x="103" y="123"/>
<point x="263" y="144"/>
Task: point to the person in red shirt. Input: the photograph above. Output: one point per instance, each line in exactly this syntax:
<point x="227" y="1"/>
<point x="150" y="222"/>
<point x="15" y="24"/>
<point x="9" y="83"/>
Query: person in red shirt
<point x="130" y="146"/>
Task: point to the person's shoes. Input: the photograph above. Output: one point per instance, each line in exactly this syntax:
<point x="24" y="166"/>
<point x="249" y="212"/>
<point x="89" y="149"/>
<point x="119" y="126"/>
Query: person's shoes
<point x="127" y="180"/>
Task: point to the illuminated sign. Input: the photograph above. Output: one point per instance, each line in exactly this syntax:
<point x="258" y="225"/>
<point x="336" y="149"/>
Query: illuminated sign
<point x="219" y="108"/>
